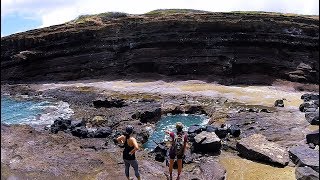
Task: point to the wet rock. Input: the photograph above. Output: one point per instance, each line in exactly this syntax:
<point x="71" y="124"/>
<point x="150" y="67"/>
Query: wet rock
<point x="312" y="117"/>
<point x="102" y="132"/>
<point x="313" y="137"/>
<point x="305" y="156"/>
<point x="221" y="132"/>
<point x="60" y="124"/>
<point x="279" y="103"/>
<point x="81" y="132"/>
<point x="109" y="103"/>
<point x="142" y="136"/>
<point x="207" y="142"/>
<point x="306" y="173"/>
<point x="308" y="97"/>
<point x="194" y="129"/>
<point x="257" y="147"/>
<point x="212" y="170"/>
<point x="210" y="128"/>
<point x="150" y="116"/>
<point x="308" y="105"/>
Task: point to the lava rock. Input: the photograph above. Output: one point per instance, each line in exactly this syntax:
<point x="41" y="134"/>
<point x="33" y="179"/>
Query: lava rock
<point x="221" y="132"/>
<point x="159" y="157"/>
<point x="207" y="142"/>
<point x="102" y="132"/>
<point x="77" y="123"/>
<point x="257" y="147"/>
<point x="234" y="131"/>
<point x="60" y="124"/>
<point x="142" y="136"/>
<point x="313" y="117"/>
<point x="194" y="129"/>
<point x="213" y="170"/>
<point x="306" y="173"/>
<point x="210" y="128"/>
<point x="307" y="105"/>
<point x="305" y="156"/>
<point x="118" y="103"/>
<point x="81" y="132"/>
<point x="279" y="103"/>
<point x="308" y="97"/>
<point x="150" y="116"/>
<point x="313" y="137"/>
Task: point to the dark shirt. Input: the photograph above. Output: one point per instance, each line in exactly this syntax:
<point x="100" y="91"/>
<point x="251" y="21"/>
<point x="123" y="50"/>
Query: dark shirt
<point x="127" y="150"/>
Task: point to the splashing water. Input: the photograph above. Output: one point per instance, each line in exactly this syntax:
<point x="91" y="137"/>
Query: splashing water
<point x="32" y="112"/>
<point x="168" y="123"/>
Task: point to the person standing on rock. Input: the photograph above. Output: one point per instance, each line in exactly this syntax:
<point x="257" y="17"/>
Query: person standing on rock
<point x="130" y="147"/>
<point x="178" y="147"/>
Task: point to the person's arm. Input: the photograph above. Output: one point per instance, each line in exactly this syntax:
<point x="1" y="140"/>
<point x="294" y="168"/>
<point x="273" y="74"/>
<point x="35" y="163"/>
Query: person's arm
<point x="185" y="143"/>
<point x="135" y="145"/>
<point x="121" y="139"/>
<point x="167" y="131"/>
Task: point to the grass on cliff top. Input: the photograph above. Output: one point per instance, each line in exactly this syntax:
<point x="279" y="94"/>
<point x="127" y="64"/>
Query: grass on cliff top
<point x="173" y="11"/>
<point x="96" y="17"/>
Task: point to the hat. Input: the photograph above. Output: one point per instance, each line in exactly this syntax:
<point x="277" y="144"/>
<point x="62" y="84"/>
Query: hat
<point x="179" y="126"/>
<point x="129" y="129"/>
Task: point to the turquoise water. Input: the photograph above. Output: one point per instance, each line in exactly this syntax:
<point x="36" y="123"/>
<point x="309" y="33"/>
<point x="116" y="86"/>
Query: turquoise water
<point x="24" y="111"/>
<point x="168" y="123"/>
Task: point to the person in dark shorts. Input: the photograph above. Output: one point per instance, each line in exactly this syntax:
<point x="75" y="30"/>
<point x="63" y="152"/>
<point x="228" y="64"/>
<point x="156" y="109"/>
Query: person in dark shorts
<point x="178" y="147"/>
<point x="130" y="147"/>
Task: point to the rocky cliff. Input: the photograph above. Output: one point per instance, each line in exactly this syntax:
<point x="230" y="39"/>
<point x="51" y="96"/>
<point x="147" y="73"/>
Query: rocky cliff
<point x="224" y="47"/>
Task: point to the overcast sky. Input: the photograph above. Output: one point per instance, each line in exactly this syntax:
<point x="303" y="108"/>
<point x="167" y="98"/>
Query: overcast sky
<point x="22" y="15"/>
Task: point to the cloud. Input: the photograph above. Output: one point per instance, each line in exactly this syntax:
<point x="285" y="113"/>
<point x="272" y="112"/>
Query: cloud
<point x="59" y="11"/>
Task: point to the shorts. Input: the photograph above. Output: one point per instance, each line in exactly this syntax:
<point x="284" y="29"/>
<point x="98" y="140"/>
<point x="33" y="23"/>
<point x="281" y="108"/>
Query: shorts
<point x="173" y="155"/>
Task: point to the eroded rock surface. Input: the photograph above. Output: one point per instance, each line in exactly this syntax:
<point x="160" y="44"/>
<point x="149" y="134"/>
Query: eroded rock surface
<point x="305" y="156"/>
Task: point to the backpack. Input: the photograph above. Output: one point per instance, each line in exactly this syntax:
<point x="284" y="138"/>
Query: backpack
<point x="178" y="143"/>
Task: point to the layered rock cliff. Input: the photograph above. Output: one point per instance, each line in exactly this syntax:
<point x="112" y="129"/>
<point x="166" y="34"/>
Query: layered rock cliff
<point x="223" y="47"/>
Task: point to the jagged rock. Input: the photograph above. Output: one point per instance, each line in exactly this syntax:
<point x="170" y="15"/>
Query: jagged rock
<point x="109" y="103"/>
<point x="313" y="137"/>
<point x="77" y="123"/>
<point x="213" y="170"/>
<point x="306" y="173"/>
<point x="309" y="97"/>
<point x="195" y="110"/>
<point x="194" y="129"/>
<point x="257" y="147"/>
<point x="142" y="136"/>
<point x="81" y="132"/>
<point x="159" y="157"/>
<point x="207" y="142"/>
<point x="102" y="132"/>
<point x="60" y="124"/>
<point x="305" y="156"/>
<point x="279" y="103"/>
<point x="187" y="159"/>
<point x="313" y="117"/>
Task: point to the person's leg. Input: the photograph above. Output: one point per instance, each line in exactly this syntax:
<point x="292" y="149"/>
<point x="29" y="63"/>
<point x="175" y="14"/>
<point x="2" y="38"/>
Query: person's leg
<point x="126" y="169"/>
<point x="179" y="161"/>
<point x="134" y="164"/>
<point x="171" y="167"/>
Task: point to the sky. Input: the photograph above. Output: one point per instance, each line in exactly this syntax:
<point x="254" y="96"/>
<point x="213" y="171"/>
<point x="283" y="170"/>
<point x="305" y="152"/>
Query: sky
<point x="22" y="15"/>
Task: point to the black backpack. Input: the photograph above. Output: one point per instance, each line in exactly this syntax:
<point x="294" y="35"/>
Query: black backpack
<point x="178" y="143"/>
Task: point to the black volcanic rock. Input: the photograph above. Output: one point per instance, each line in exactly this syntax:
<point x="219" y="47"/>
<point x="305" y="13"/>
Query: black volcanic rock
<point x="313" y="137"/>
<point x="227" y="47"/>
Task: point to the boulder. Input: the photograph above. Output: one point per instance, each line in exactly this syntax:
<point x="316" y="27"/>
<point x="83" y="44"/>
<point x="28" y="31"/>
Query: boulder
<point x="306" y="173"/>
<point x="207" y="142"/>
<point x="313" y="137"/>
<point x="234" y="131"/>
<point x="257" y="147"/>
<point x="279" y="103"/>
<point x="305" y="156"/>
<point x="142" y="136"/>
<point x="221" y="132"/>
<point x="102" y="132"/>
<point x="307" y="105"/>
<point x="210" y="128"/>
<point x="159" y="157"/>
<point x="308" y="97"/>
<point x="150" y="116"/>
<point x="195" y="110"/>
<point x="212" y="170"/>
<point x="81" y="132"/>
<point x="194" y="129"/>
<point x="60" y="124"/>
<point x="77" y="123"/>
<point x="312" y="117"/>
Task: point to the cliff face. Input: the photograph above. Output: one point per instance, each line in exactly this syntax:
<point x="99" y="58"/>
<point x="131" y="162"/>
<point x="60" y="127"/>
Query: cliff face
<point x="222" y="46"/>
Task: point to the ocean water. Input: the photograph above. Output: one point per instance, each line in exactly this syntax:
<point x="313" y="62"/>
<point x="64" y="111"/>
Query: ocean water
<point x="26" y="111"/>
<point x="168" y="123"/>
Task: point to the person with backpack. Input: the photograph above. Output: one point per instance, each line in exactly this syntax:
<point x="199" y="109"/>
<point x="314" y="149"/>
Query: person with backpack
<point x="130" y="147"/>
<point x="177" y="149"/>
